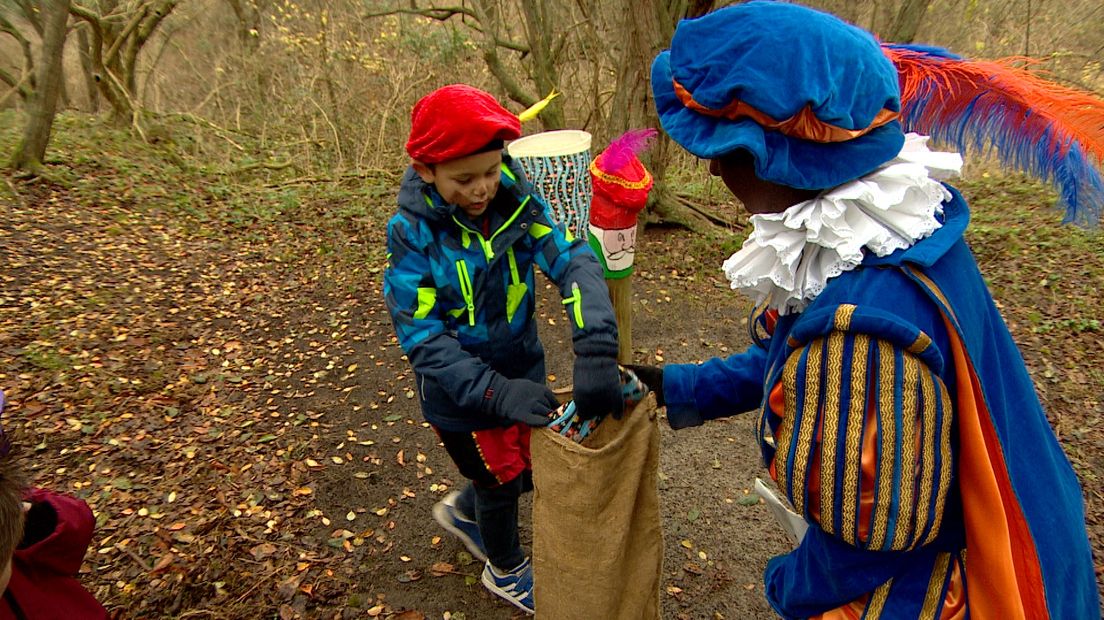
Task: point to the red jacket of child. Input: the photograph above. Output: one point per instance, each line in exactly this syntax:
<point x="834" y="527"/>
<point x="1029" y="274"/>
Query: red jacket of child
<point x="44" y="583"/>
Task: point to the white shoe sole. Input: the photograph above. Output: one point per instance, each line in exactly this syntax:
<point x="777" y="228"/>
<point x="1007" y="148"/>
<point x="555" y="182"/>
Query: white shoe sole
<point x="441" y="516"/>
<point x="502" y="594"/>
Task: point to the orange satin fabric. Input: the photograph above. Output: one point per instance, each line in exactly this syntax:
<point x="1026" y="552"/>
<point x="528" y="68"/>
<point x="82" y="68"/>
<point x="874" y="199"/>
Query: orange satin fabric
<point x="803" y="125"/>
<point x="1001" y="565"/>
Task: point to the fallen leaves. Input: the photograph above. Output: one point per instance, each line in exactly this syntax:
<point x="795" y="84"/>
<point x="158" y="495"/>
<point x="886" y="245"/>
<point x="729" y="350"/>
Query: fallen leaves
<point x="440" y="569"/>
<point x="262" y="551"/>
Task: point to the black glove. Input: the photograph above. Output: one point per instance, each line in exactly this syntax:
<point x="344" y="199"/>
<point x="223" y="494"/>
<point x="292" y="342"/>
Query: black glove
<point x="521" y="400"/>
<point x="652" y="376"/>
<point x="597" y="387"/>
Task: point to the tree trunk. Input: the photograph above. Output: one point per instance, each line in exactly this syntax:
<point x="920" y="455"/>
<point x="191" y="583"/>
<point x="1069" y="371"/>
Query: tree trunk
<point x="544" y="74"/>
<point x="115" y="47"/>
<point x="645" y="33"/>
<point x="26" y="82"/>
<point x="907" y="22"/>
<point x="43" y="103"/>
<point x="87" y="70"/>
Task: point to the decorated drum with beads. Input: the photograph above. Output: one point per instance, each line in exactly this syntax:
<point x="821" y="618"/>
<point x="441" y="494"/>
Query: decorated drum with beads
<point x="558" y="166"/>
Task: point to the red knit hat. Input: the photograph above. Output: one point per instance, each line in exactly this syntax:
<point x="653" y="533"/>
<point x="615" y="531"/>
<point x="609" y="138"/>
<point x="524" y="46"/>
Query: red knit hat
<point x="455" y="121"/>
<point x="621" y="183"/>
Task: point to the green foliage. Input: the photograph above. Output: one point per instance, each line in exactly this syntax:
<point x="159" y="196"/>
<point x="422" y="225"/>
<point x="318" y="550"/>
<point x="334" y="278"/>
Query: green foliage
<point x="176" y="172"/>
<point x="1028" y="255"/>
<point x="46" y="358"/>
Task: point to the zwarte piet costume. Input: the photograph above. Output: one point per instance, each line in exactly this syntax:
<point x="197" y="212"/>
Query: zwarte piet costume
<point x="895" y="411"/>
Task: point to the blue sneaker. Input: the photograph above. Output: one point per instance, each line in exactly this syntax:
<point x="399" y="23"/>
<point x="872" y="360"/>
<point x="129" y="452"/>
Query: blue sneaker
<point x="456" y="523"/>
<point x="515" y="586"/>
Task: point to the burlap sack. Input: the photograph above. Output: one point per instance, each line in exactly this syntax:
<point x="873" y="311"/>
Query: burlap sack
<point x="597" y="542"/>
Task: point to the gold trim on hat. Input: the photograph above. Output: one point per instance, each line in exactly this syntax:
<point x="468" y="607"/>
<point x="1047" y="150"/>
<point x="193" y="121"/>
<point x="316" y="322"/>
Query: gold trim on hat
<point x="643" y="183"/>
<point x="804" y="125"/>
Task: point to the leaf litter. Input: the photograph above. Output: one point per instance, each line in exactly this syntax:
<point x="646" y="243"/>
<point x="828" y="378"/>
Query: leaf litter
<point x="222" y="400"/>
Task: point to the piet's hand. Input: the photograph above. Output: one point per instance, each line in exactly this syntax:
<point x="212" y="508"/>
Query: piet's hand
<point x="652" y="376"/>
<point x="522" y="400"/>
<point x="597" y="387"/>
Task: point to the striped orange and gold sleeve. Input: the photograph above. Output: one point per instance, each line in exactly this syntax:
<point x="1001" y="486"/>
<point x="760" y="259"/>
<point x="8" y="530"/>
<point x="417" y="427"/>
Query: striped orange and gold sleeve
<point x="863" y="438"/>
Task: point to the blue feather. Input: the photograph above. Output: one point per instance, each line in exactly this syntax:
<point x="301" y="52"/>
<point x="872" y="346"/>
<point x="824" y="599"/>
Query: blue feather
<point x="1032" y="124"/>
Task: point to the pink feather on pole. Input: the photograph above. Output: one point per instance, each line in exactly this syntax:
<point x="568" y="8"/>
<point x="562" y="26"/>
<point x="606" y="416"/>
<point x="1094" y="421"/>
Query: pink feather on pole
<point x="621" y="151"/>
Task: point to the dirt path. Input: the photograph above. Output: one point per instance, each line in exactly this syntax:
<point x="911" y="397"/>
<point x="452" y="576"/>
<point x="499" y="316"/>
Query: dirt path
<point x="237" y="413"/>
<point x="241" y="423"/>
<point x="717" y="538"/>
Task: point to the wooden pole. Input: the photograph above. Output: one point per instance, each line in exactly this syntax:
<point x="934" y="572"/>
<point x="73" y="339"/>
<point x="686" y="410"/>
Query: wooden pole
<point x="620" y="290"/>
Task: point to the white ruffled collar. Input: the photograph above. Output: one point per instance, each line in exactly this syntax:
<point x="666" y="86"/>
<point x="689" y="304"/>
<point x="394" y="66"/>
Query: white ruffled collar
<point x="790" y="256"/>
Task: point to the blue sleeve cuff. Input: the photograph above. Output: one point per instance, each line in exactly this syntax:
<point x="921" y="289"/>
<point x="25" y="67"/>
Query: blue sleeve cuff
<point x="717" y="388"/>
<point x="678" y="393"/>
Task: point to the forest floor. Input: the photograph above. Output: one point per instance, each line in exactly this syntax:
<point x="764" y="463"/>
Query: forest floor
<point x="208" y="363"/>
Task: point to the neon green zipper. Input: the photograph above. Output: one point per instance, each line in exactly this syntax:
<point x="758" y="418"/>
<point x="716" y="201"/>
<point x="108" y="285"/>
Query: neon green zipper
<point x="577" y="299"/>
<point x="515" y="292"/>
<point x="488" y="253"/>
<point x="466" y="290"/>
<point x="487" y="244"/>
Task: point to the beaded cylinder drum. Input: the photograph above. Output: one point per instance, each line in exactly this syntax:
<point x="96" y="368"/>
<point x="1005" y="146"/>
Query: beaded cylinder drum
<point x="558" y="166"/>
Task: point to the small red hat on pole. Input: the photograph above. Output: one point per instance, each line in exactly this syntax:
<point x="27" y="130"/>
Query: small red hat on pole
<point x="621" y="183"/>
<point x="621" y="186"/>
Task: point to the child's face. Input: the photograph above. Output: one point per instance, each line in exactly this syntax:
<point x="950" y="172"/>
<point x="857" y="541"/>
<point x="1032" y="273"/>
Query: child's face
<point x="469" y="182"/>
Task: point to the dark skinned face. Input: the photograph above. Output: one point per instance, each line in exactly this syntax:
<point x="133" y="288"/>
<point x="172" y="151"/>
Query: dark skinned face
<point x="737" y="170"/>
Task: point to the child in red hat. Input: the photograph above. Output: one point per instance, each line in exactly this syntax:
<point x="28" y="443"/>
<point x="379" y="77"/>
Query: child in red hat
<point x="460" y="289"/>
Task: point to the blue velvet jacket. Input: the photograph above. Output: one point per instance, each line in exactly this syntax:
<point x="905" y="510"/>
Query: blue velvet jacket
<point x="898" y="417"/>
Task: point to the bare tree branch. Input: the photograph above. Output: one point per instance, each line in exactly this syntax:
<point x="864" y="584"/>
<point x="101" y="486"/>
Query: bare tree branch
<point x="20" y="86"/>
<point x="565" y="36"/>
<point x="30" y="14"/>
<point x="487" y="15"/>
<point x="439" y="13"/>
<point x="446" y="13"/>
<point x="24" y="45"/>
<point x="135" y="20"/>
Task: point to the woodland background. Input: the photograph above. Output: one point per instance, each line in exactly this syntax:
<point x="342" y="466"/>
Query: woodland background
<point x="192" y="337"/>
<point x="323" y="89"/>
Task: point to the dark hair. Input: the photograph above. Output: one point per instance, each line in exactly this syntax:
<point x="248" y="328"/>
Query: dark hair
<point x="12" y="485"/>
<point x="493" y="145"/>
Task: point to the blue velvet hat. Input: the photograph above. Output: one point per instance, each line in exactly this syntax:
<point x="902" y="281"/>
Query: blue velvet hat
<point x="812" y="98"/>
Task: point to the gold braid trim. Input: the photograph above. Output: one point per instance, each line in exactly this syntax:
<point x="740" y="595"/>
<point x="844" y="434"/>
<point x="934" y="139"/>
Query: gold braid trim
<point x="887" y="373"/>
<point x="933" y="598"/>
<point x="809" y="411"/>
<point x="616" y="180"/>
<point x="912" y="416"/>
<point x="785" y="427"/>
<point x="927" y="458"/>
<point x="947" y="460"/>
<point x="877" y="602"/>
<point x="829" y="441"/>
<point x="856" y="414"/>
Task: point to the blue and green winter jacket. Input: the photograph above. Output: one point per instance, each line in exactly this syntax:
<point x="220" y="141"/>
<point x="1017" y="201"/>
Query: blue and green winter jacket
<point x="462" y="302"/>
